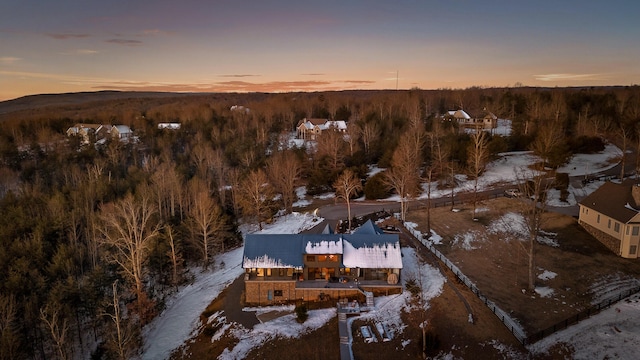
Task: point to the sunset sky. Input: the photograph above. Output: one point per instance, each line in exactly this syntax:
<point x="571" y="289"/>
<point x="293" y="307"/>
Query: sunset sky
<point x="259" y="45"/>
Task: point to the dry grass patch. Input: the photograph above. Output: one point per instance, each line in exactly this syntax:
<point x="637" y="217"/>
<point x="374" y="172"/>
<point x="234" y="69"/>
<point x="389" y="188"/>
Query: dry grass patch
<point x="498" y="263"/>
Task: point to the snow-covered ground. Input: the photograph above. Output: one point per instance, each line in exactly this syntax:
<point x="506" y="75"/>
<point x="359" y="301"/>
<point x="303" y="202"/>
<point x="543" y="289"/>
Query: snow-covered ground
<point x="614" y="333"/>
<point x="181" y="316"/>
<point x="182" y="313"/>
<point x="387" y="310"/>
<point x="510" y="166"/>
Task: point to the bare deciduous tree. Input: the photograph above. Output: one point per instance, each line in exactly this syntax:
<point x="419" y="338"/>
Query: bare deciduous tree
<point x="535" y="187"/>
<point x="623" y="132"/>
<point x="128" y="230"/>
<point x="9" y="339"/>
<point x="175" y="255"/>
<point x="284" y="169"/>
<point x="123" y="339"/>
<point x="548" y="137"/>
<point x="404" y="175"/>
<point x="347" y="185"/>
<point x="331" y="144"/>
<point x="58" y="327"/>
<point x="205" y="217"/>
<point x="256" y="195"/>
<point x="478" y="157"/>
<point x="353" y="134"/>
<point x="369" y="133"/>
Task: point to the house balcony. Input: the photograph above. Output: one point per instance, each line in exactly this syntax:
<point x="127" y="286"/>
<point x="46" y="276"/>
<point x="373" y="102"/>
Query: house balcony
<point x="343" y="282"/>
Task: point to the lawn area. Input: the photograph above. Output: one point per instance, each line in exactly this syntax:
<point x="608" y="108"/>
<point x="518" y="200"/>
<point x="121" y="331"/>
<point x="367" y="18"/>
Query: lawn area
<point x="572" y="269"/>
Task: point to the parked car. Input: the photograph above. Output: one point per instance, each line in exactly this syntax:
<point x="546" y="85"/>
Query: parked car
<point x="512" y="193"/>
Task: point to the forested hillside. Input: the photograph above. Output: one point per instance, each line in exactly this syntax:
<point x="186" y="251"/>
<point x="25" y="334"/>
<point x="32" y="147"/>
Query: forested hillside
<point x="93" y="238"/>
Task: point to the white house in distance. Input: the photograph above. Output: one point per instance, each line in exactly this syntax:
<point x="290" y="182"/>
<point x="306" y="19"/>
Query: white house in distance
<point x="169" y="126"/>
<point x="99" y="133"/>
<point x="122" y="133"/>
<point x="612" y="215"/>
<point x="309" y="129"/>
<point x="86" y="131"/>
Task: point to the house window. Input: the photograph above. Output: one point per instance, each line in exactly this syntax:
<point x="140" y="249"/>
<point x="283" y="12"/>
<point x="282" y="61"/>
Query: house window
<point x="311" y="258"/>
<point x="634" y="230"/>
<point x="598" y="220"/>
<point x="260" y="272"/>
<point x="281" y="272"/>
<point x="633" y="249"/>
<point x="616" y="227"/>
<point x="277" y="292"/>
<point x="609" y="224"/>
<point x="269" y="272"/>
<point x="322" y="257"/>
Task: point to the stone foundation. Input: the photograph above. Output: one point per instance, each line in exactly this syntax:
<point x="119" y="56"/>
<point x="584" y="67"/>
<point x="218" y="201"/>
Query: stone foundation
<point x="609" y="241"/>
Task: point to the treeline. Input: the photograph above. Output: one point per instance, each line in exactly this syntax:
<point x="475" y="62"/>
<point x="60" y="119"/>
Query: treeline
<point x="94" y="239"/>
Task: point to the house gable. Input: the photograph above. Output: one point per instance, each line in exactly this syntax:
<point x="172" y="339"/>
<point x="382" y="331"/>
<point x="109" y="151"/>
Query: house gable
<point x="612" y="215"/>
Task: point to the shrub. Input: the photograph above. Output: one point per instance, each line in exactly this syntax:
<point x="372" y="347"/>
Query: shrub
<point x="586" y="144"/>
<point x="375" y="188"/>
<point x="562" y="181"/>
<point x="301" y="313"/>
<point x="412" y="287"/>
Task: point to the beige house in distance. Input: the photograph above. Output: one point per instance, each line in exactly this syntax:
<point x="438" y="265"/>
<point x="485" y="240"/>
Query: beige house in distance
<point x="310" y="129"/>
<point x="612" y="215"/>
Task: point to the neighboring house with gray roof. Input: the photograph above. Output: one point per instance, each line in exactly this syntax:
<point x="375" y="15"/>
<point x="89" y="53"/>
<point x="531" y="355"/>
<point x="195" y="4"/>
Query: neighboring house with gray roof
<point x="287" y="267"/>
<point x="488" y="121"/>
<point x="87" y="132"/>
<point x="310" y="129"/>
<point x="612" y="215"/>
<point x="122" y="133"/>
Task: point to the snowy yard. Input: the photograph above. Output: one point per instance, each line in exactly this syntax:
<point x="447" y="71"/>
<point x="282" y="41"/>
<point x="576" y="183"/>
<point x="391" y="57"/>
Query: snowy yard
<point x="614" y="333"/>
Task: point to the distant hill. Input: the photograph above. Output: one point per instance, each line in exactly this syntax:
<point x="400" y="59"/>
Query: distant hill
<point x="101" y="105"/>
<point x="55" y="100"/>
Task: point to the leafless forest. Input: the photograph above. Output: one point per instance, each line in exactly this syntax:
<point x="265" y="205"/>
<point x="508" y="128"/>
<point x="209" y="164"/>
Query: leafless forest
<point x="95" y="237"/>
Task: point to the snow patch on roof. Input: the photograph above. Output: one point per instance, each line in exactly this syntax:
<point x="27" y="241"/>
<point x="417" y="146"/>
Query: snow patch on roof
<point x="375" y="257"/>
<point x="324" y="247"/>
<point x="264" y="262"/>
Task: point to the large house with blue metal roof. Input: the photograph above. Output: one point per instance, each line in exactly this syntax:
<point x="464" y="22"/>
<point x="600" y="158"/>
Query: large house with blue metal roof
<point x="287" y="267"/>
